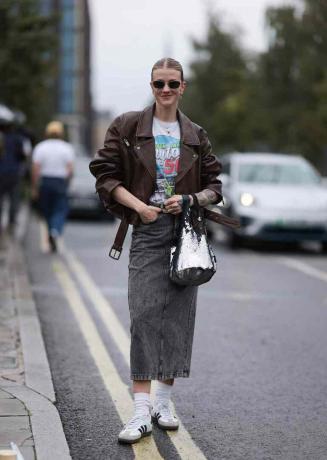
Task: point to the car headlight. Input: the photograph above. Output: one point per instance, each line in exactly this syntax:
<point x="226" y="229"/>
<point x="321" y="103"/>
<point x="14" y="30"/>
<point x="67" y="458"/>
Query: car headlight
<point x="247" y="199"/>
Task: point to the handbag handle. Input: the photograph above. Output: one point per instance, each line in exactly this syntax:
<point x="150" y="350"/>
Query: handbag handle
<point x="196" y="205"/>
<point x="185" y="202"/>
<point x="195" y="201"/>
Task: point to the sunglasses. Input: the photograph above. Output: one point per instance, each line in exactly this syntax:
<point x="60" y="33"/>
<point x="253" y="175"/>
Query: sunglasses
<point x="160" y="84"/>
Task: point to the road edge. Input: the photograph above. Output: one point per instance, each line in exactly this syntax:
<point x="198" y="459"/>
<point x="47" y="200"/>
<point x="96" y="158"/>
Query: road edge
<point x="37" y="370"/>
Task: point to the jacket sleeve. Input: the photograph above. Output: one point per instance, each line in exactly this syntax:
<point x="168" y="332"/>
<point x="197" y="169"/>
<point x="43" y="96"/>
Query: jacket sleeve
<point x="107" y="165"/>
<point x="210" y="167"/>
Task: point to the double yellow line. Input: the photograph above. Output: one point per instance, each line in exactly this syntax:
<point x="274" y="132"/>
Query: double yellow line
<point x="117" y="389"/>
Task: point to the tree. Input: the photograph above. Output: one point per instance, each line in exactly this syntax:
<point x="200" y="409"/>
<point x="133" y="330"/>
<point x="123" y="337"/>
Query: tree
<point x="294" y="79"/>
<point x="218" y="87"/>
<point x="274" y="101"/>
<point x="279" y="74"/>
<point x="27" y="60"/>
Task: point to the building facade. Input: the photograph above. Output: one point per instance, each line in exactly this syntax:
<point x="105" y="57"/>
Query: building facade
<point x="72" y="87"/>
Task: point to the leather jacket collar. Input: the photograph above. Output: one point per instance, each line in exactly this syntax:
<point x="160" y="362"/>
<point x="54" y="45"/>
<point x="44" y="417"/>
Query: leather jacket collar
<point x="188" y="133"/>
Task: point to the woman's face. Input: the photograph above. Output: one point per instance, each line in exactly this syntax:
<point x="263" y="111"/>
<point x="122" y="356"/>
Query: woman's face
<point x="166" y="96"/>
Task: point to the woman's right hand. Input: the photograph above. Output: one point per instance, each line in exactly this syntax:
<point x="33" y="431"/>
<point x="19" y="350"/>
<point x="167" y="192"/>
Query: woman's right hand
<point x="149" y="214"/>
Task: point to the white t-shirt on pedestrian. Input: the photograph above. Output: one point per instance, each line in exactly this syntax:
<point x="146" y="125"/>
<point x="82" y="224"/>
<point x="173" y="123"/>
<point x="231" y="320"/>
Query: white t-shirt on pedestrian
<point x="53" y="155"/>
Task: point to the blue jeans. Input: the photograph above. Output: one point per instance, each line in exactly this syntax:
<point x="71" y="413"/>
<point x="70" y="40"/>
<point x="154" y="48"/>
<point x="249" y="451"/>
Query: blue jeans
<point x="54" y="203"/>
<point x="10" y="187"/>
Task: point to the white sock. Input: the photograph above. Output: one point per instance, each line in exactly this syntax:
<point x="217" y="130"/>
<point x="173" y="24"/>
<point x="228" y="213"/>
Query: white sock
<point x="142" y="404"/>
<point x="163" y="392"/>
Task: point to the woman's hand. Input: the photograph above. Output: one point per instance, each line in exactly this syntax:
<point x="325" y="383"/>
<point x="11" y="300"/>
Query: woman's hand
<point x="174" y="204"/>
<point x="149" y="214"/>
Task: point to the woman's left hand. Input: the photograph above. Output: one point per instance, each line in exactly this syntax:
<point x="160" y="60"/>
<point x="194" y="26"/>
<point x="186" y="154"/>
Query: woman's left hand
<point x="174" y="204"/>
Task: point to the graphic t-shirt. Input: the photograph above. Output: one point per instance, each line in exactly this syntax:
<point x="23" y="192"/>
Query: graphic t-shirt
<point x="167" y="138"/>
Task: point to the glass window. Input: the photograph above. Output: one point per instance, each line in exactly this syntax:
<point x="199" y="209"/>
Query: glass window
<point x="67" y="3"/>
<point x="278" y="173"/>
<point x="66" y="93"/>
<point x="66" y="63"/>
<point x="225" y="167"/>
<point x="67" y="39"/>
<point x="67" y="18"/>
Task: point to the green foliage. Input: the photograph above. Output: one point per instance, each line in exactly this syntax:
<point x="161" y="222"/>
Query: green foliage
<point x="27" y="60"/>
<point x="274" y="101"/>
<point x="217" y="84"/>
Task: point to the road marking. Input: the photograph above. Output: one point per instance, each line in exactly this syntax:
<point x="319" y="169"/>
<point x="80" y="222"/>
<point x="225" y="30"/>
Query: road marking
<point x="44" y="244"/>
<point x="115" y="386"/>
<point x="242" y="296"/>
<point x="304" y="268"/>
<point x="181" y="439"/>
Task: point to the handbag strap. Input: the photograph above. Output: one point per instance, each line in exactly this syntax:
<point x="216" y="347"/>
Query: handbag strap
<point x="195" y="201"/>
<point x="196" y="205"/>
<point x="215" y="216"/>
<point x="185" y="203"/>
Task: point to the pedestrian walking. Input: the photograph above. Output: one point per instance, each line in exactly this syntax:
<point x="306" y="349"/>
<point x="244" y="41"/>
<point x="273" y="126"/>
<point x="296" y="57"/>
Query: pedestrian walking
<point x="52" y="168"/>
<point x="149" y="160"/>
<point x="12" y="158"/>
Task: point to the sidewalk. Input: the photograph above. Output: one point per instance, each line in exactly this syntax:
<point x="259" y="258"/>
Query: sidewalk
<point x="28" y="416"/>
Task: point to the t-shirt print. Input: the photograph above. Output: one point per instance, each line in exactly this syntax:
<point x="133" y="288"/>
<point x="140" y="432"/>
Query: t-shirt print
<point x="167" y="159"/>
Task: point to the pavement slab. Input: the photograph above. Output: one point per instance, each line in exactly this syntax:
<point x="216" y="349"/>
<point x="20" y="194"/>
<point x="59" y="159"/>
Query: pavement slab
<point x="5" y="395"/>
<point x="14" y="428"/>
<point x="11" y="407"/>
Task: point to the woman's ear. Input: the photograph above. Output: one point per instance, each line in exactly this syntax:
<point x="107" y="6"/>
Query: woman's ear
<point x="182" y="88"/>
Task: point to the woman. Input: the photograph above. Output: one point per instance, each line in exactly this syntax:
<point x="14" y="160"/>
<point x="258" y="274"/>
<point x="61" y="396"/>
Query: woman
<point x="149" y="160"/>
<point x="52" y="168"/>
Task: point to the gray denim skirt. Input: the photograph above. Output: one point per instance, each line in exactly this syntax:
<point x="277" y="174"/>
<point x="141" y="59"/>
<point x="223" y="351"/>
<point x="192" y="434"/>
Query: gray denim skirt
<point x="162" y="313"/>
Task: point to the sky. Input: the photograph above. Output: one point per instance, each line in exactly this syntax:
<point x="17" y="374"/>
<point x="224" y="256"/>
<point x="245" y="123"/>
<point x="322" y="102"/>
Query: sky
<point x="129" y="36"/>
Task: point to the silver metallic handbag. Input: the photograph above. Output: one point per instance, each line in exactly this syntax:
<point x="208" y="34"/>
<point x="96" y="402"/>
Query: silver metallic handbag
<point x="192" y="261"/>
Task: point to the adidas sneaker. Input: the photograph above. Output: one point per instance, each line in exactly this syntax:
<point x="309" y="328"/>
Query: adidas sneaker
<point x="135" y="429"/>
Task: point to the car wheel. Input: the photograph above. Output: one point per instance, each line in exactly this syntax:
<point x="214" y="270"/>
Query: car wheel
<point x="234" y="241"/>
<point x="324" y="247"/>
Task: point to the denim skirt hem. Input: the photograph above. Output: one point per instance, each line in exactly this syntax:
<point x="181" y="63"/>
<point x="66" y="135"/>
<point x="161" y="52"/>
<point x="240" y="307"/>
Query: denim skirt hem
<point x="162" y="313"/>
<point x="172" y="375"/>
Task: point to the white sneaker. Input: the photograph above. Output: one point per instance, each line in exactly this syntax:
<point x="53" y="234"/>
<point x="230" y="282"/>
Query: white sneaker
<point x="135" y="429"/>
<point x="162" y="416"/>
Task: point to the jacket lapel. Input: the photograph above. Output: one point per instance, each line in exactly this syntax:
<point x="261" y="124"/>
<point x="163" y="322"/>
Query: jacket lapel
<point x="189" y="139"/>
<point x="145" y="150"/>
<point x="144" y="147"/>
<point x="187" y="157"/>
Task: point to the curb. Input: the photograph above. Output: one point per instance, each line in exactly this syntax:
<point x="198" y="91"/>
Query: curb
<point x="49" y="439"/>
<point x="37" y="370"/>
<point x="38" y="395"/>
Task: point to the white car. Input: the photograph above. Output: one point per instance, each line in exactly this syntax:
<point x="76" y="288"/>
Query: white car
<point x="276" y="197"/>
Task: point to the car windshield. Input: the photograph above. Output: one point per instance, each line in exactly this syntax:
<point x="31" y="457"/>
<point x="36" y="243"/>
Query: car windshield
<point x="278" y="173"/>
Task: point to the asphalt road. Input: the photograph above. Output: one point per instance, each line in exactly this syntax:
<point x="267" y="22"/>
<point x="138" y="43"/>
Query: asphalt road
<point x="258" y="386"/>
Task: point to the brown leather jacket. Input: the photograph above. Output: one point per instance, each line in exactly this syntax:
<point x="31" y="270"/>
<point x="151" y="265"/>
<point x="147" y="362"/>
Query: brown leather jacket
<point x="128" y="158"/>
